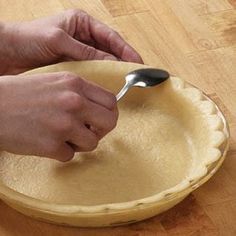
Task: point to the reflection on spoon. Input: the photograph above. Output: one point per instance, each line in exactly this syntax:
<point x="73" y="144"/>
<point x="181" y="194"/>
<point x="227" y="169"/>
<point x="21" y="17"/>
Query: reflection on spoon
<point x="143" y="78"/>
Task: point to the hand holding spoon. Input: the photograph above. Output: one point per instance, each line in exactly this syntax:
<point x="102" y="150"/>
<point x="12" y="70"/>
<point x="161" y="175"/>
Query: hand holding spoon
<point x="143" y="78"/>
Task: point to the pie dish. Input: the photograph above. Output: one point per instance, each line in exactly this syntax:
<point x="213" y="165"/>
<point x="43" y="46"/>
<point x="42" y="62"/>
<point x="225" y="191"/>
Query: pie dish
<point x="169" y="140"/>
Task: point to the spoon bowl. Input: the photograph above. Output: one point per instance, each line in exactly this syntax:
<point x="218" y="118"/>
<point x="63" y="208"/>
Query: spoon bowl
<point x="146" y="77"/>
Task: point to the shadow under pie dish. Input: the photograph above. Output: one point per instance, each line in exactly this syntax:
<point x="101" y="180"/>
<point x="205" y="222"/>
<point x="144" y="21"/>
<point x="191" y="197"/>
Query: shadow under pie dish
<point x="169" y="140"/>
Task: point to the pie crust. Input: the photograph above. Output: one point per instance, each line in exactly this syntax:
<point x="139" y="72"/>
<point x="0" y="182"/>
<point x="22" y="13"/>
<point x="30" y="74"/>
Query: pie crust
<point x="169" y="140"/>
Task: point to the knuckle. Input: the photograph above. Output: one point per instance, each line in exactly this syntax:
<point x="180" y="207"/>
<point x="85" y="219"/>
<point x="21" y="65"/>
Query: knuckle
<point x="75" y="102"/>
<point x="93" y="144"/>
<point x="71" y="101"/>
<point x="112" y="122"/>
<point x="72" y="80"/>
<point x="115" y="33"/>
<point x="65" y="126"/>
<point x="64" y="157"/>
<point x="72" y="12"/>
<point x="56" y="151"/>
<point x="112" y="102"/>
<point x="67" y="75"/>
<point x="75" y="12"/>
<point x="112" y="34"/>
<point x="54" y="35"/>
<point x="90" y="144"/>
<point x="88" y="52"/>
<point x="82" y="12"/>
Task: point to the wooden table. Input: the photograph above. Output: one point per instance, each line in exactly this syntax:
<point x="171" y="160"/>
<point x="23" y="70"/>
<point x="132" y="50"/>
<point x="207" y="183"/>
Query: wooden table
<point x="195" y="40"/>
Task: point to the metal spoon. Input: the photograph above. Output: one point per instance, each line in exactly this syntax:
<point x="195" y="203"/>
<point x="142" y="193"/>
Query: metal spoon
<point x="143" y="78"/>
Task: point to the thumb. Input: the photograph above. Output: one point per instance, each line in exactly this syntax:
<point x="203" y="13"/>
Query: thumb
<point x="79" y="51"/>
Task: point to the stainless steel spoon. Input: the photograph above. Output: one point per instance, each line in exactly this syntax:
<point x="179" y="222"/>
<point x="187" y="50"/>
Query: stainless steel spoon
<point x="143" y="78"/>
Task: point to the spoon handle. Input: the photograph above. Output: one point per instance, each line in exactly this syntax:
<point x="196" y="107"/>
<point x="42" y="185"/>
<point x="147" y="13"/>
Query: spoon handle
<point x="123" y="91"/>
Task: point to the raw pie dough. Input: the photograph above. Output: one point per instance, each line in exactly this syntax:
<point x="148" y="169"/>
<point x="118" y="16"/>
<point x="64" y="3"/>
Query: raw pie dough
<point x="165" y="135"/>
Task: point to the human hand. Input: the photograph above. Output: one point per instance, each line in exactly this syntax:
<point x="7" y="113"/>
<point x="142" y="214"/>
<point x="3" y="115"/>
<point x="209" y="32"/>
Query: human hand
<point x="70" y="35"/>
<point x="53" y="115"/>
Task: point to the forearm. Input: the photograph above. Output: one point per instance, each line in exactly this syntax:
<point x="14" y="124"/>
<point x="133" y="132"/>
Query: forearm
<point x="7" y="45"/>
<point x="3" y="63"/>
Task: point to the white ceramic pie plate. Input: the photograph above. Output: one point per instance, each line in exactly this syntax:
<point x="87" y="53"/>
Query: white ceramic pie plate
<point x="169" y="140"/>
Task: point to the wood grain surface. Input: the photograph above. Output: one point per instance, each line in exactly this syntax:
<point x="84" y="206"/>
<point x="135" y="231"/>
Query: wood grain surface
<point x="195" y="40"/>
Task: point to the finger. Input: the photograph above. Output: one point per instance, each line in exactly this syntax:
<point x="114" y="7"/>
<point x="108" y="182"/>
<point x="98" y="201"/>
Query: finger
<point x="110" y="41"/>
<point x="91" y="30"/>
<point x="76" y="50"/>
<point x="85" y="88"/>
<point x="99" y="95"/>
<point x="99" y="119"/>
<point x="59" y="151"/>
<point x="83" y="140"/>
